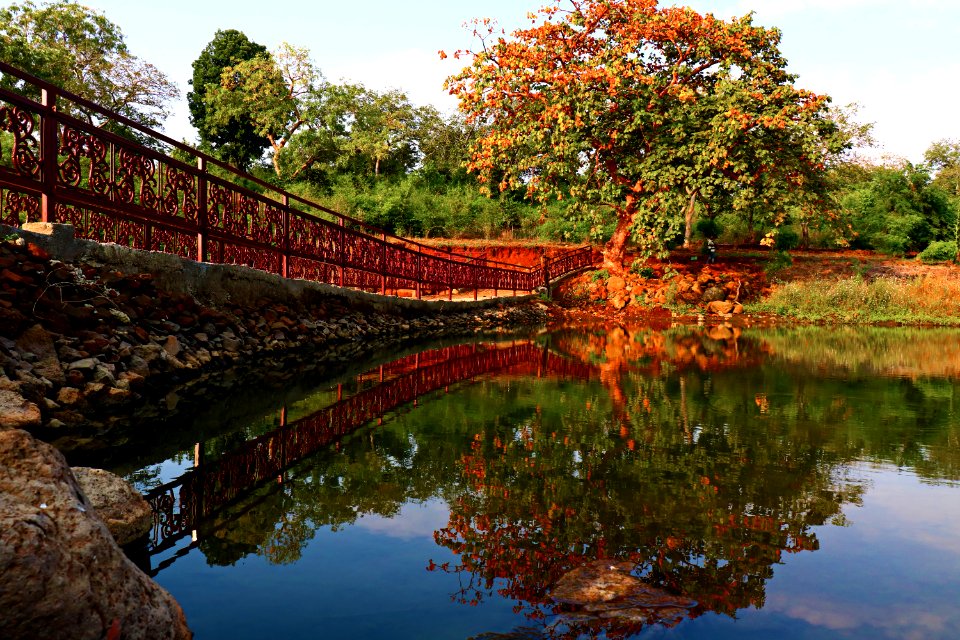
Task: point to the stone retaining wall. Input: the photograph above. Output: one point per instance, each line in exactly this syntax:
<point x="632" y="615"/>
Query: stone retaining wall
<point x="89" y="331"/>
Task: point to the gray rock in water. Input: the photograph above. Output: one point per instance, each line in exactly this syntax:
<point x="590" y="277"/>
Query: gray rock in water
<point x="61" y="573"/>
<point x="121" y="507"/>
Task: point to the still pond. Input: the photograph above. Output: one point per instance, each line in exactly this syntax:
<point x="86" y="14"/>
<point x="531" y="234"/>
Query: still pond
<point x="684" y="482"/>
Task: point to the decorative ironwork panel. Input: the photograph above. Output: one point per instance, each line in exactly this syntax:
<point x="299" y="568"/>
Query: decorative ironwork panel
<point x="229" y="210"/>
<point x="313" y="270"/>
<point x="461" y="275"/>
<point x="266" y="225"/>
<point x="434" y="270"/>
<point x="78" y="148"/>
<point x="136" y="179"/>
<point x="173" y="241"/>
<point x="170" y="519"/>
<point x="178" y="194"/>
<point x="400" y="262"/>
<point x="103" y="227"/>
<point x="17" y="207"/>
<point x="315" y="238"/>
<point x="361" y="279"/>
<point x="25" y="156"/>
<point x="258" y="258"/>
<point x="363" y="252"/>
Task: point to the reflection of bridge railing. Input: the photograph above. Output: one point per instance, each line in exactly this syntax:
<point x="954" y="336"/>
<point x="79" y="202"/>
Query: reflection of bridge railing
<point x="181" y="504"/>
<point x="63" y="169"/>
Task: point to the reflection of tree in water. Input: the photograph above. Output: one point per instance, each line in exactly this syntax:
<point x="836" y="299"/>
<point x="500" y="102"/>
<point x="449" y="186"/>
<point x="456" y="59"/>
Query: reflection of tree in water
<point x="707" y="518"/>
<point x="702" y="471"/>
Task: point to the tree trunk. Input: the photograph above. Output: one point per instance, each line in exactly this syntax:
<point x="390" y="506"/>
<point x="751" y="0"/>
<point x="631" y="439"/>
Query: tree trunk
<point x="616" y="247"/>
<point x="688" y="218"/>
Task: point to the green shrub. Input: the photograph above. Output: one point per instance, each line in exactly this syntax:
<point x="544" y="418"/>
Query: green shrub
<point x="600" y="274"/>
<point x="638" y="268"/>
<point x="787" y="239"/>
<point x="709" y="228"/>
<point x="939" y="251"/>
<point x="780" y="261"/>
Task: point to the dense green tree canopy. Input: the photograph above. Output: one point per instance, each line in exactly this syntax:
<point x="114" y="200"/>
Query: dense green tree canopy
<point x="83" y="52"/>
<point x="943" y="156"/>
<point x="897" y="209"/>
<point x="233" y="139"/>
<point x="631" y="110"/>
<point x="283" y="98"/>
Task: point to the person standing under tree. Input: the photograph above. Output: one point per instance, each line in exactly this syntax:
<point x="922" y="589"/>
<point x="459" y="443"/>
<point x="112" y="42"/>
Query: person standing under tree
<point x="711" y="251"/>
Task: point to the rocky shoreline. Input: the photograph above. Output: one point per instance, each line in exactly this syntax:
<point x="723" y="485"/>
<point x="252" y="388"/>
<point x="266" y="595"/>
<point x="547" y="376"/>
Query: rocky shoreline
<point x="82" y="344"/>
<point x="98" y="339"/>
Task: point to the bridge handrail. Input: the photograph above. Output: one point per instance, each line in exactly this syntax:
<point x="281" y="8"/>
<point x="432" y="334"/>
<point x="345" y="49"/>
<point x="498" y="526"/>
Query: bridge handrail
<point x="114" y="189"/>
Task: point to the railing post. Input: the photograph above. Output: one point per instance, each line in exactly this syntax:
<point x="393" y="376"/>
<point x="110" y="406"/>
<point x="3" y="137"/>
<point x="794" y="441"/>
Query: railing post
<point x="450" y="274"/>
<point x="476" y="281"/>
<point x="202" y="204"/>
<point x="285" y="261"/>
<point x="419" y="273"/>
<point x="342" y="251"/>
<point x="383" y="264"/>
<point x="49" y="150"/>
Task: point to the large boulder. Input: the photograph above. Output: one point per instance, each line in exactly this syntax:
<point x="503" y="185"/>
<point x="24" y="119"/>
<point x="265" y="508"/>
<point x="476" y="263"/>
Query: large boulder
<point x="121" y="507"/>
<point x="61" y="573"/>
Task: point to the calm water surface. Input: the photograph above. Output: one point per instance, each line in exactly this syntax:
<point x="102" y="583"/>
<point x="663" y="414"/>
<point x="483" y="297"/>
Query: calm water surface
<point x="780" y="484"/>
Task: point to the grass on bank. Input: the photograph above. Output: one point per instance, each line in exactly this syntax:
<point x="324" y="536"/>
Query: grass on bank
<point x="932" y="299"/>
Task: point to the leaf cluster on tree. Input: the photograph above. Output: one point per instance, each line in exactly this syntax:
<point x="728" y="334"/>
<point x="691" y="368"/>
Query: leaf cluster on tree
<point x="80" y="50"/>
<point x="635" y="112"/>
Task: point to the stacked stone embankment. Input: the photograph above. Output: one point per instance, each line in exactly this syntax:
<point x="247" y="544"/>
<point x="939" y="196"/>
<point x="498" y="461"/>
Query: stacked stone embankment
<point x="84" y="339"/>
<point x="91" y="333"/>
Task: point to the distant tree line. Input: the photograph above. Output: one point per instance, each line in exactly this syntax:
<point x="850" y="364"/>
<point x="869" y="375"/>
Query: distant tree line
<point x="616" y="122"/>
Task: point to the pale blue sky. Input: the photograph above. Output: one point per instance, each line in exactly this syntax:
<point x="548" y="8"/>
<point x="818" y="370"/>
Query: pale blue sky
<point x="900" y="59"/>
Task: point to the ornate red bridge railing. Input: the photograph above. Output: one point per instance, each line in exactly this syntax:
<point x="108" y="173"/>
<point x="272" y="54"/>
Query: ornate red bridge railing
<point x="166" y="196"/>
<point x="180" y="505"/>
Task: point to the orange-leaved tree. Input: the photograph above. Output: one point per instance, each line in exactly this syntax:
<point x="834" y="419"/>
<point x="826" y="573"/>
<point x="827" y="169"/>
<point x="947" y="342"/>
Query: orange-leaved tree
<point x="634" y="112"/>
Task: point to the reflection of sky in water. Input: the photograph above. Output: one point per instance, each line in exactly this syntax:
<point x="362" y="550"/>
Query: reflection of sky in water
<point x="415" y="520"/>
<point x="893" y="570"/>
<point x="349" y="583"/>
<point x="892" y="573"/>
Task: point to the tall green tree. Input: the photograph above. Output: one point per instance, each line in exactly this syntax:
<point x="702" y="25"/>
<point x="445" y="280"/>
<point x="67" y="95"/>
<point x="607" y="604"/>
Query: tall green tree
<point x="284" y="98"/>
<point x="80" y="50"/>
<point x="943" y="156"/>
<point x="233" y="139"/>
<point x="384" y="128"/>
<point x="897" y="209"/>
<point x="630" y="110"/>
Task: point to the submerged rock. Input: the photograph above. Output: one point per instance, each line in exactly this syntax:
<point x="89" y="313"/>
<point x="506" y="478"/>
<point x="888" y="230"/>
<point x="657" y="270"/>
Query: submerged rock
<point x="605" y="590"/>
<point x="127" y="515"/>
<point x="599" y="581"/>
<point x="61" y="573"/>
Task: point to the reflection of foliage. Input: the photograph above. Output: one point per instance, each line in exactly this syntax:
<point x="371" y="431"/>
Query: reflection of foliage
<point x="696" y="456"/>
<point x="707" y="518"/>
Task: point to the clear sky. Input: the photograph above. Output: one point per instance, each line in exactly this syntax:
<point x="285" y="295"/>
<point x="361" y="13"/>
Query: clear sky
<point x="899" y="59"/>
